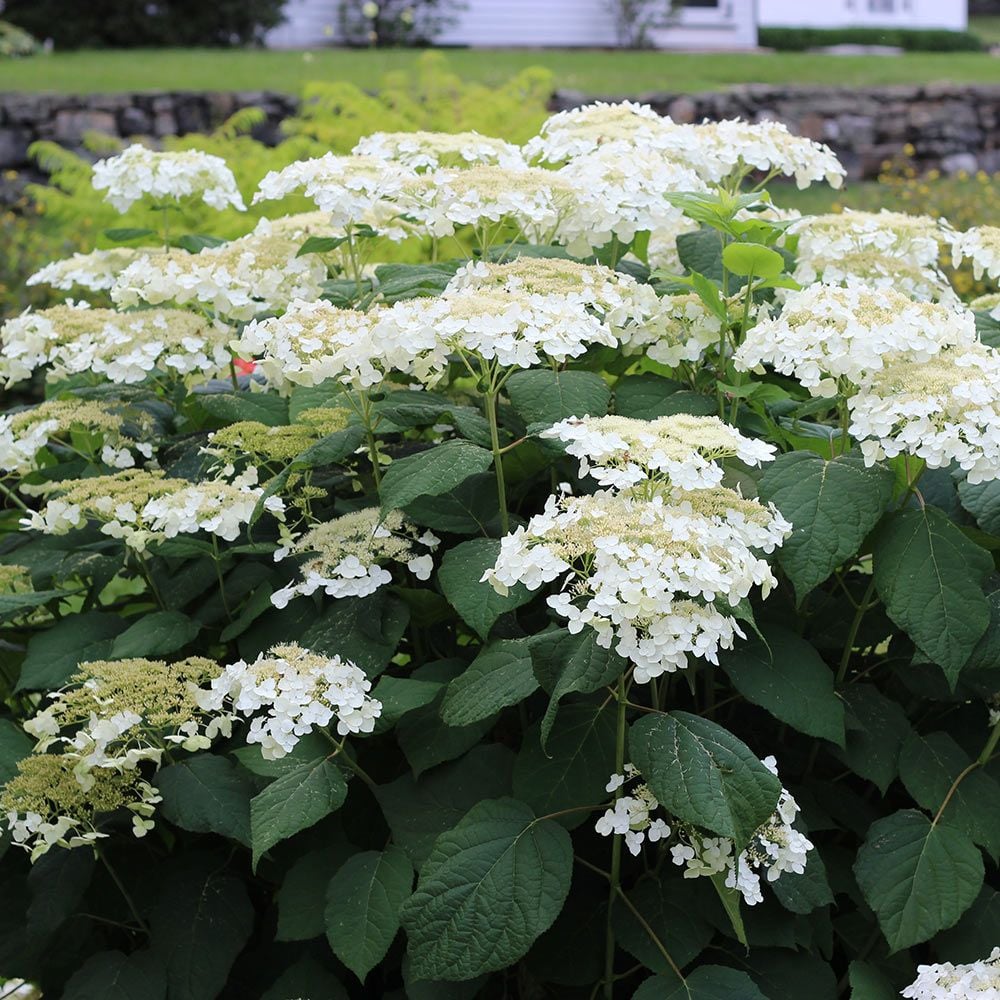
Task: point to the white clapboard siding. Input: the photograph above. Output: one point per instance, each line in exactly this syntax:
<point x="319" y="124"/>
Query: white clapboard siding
<point x="307" y="24"/>
<point x="951" y="14"/>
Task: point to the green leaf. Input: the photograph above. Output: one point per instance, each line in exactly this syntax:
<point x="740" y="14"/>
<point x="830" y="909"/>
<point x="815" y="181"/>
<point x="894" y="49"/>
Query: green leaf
<point x="977" y="933"/>
<point x="300" y="907"/>
<point x="58" y="881"/>
<point x="419" y="810"/>
<point x="709" y="982"/>
<point x="785" y="675"/>
<point x="294" y="802"/>
<point x="154" y="634"/>
<point x="806" y="892"/>
<point x="867" y="983"/>
<point x="930" y="577"/>
<point x="320" y="244"/>
<point x="432" y="472"/>
<point x="306" y="978"/>
<point x="427" y="741"/>
<point x="703" y="774"/>
<point x="196" y="242"/>
<point x="235" y="406"/>
<point x="110" y="975"/>
<point x="207" y="794"/>
<point x="468" y="509"/>
<point x="478" y="603"/>
<point x="365" y="630"/>
<point x="257" y="604"/>
<point x="832" y="506"/>
<point x="53" y="655"/>
<point x="363" y="903"/>
<point x="489" y="888"/>
<point x="649" y="396"/>
<point x="501" y="675"/>
<point x="198" y="926"/>
<point x="14" y="605"/>
<point x="567" y="664"/>
<point x="542" y="396"/>
<point x="400" y="695"/>
<point x="786" y="975"/>
<point x="331" y="449"/>
<point x="573" y="769"/>
<point x="876" y="729"/>
<point x="15" y="744"/>
<point x="982" y="501"/>
<point x="917" y="877"/>
<point x="929" y="765"/>
<point x="667" y="906"/>
<point x="701" y="252"/>
<point x="126" y="234"/>
<point x="753" y="259"/>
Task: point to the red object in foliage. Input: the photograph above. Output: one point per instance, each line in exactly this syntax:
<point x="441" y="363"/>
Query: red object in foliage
<point x="245" y="367"/>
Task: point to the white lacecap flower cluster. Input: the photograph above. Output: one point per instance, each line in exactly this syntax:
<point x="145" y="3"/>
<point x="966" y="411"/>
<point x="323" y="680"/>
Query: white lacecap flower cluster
<point x="825" y="333"/>
<point x="96" y="271"/>
<point x="657" y="578"/>
<point x="943" y="410"/>
<point x="775" y="848"/>
<point x="978" y="980"/>
<point x="981" y="246"/>
<point x="289" y="691"/>
<point x="348" y="555"/>
<point x="140" y="172"/>
<point x="887" y="250"/>
<point x="431" y="150"/>
<point x="259" y="272"/>
<point x="680" y="450"/>
<point x="125" y="347"/>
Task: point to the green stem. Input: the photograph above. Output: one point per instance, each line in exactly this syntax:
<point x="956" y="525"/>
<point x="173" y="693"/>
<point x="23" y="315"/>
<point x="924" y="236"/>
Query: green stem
<point x="14" y="499"/>
<point x="121" y="888"/>
<point x="491" y="416"/>
<point x="352" y="254"/>
<point x="616" y="846"/>
<point x="216" y="558"/>
<point x="234" y="378"/>
<point x="147" y="575"/>
<point x="852" y="634"/>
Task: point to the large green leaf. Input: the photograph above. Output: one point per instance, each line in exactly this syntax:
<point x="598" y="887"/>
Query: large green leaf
<point x="566" y="664"/>
<point x="867" y="983"/>
<point x="15" y="605"/>
<point x="876" y="729"/>
<point x="930" y="577"/>
<point x="929" y="766"/>
<point x="294" y="802"/>
<point x="54" y="654"/>
<point x="207" y="794"/>
<point x="498" y="677"/>
<point x="832" y="506"/>
<point x="542" y="396"/>
<point x="702" y="774"/>
<point x="155" y="634"/>
<point x="301" y="907"/>
<point x="57" y="880"/>
<point x="806" y="892"/>
<point x="460" y="577"/>
<point x="419" y="810"/>
<point x="709" y="982"/>
<point x="918" y="878"/>
<point x="15" y="743"/>
<point x="363" y="903"/>
<point x="306" y="978"/>
<point x="648" y="396"/>
<point x="786" y="975"/>
<point x="784" y="674"/>
<point x="110" y="975"/>
<point x="489" y="888"/>
<point x="666" y="906"/>
<point x="199" y="924"/>
<point x="469" y="509"/>
<point x="977" y="933"/>
<point x="432" y="472"/>
<point x="573" y="768"/>
<point x="265" y="408"/>
<point x="982" y="501"/>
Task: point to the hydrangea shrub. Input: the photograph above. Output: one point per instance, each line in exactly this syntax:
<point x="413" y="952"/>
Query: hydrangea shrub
<point x="603" y="605"/>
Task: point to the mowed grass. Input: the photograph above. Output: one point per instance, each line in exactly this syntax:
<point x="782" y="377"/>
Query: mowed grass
<point x="593" y="71"/>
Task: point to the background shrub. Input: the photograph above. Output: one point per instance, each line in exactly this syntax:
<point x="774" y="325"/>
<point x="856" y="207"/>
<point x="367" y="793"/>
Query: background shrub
<point x="910" y="39"/>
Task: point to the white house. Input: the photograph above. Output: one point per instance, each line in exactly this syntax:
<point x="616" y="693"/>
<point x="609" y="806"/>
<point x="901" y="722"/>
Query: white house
<point x="699" y="24"/>
<point x="951" y="14"/>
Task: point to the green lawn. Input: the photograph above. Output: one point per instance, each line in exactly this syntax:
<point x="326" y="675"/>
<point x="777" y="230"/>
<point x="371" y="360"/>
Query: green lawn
<point x="596" y="72"/>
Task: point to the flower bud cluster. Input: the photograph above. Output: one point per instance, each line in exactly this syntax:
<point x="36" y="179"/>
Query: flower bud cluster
<point x="289" y="691"/>
<point x="347" y="556"/>
<point x="978" y="980"/>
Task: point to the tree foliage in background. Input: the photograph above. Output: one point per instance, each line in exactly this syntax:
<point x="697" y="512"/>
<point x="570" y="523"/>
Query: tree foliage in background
<point x="137" y="23"/>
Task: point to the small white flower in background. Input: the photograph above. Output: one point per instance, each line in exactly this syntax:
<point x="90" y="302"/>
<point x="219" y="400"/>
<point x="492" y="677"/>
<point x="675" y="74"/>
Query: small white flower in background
<point x="140" y="172"/>
<point x="96" y="271"/>
<point x="980" y="979"/>
<point x="370" y="9"/>
<point x="981" y="246"/>
<point x="825" y="332"/>
<point x="943" y="410"/>
<point x="431" y="150"/>
<point x="256" y="273"/>
<point x="348" y="553"/>
<point x="289" y="691"/>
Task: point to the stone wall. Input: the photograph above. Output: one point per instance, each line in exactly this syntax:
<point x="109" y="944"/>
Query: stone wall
<point x="952" y="127"/>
